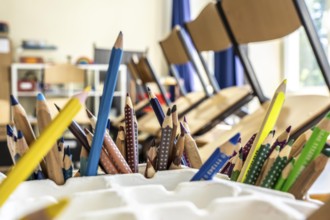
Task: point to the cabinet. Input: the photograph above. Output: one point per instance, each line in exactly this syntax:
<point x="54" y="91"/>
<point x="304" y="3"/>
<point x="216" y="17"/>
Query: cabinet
<point x="94" y="76"/>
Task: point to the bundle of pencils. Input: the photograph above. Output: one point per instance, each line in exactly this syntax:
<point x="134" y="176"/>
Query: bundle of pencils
<point x="52" y="164"/>
<point x="176" y="145"/>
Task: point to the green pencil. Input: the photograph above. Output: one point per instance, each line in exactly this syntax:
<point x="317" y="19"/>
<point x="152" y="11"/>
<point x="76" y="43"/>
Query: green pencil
<point x="274" y="172"/>
<point x="237" y="168"/>
<point x="268" y="164"/>
<point x="312" y="149"/>
<point x="285" y="173"/>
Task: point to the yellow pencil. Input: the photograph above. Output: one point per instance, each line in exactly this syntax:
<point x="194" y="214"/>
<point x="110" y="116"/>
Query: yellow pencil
<point x="267" y="125"/>
<point x="41" y="146"/>
<point x="50" y="212"/>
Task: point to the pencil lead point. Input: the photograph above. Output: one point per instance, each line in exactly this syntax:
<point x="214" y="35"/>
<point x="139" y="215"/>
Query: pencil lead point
<point x="168" y="112"/>
<point x="127" y="94"/>
<point x="184" y="119"/>
<point x="9" y="130"/>
<point x="19" y="134"/>
<point x="119" y="41"/>
<point x="13" y="100"/>
<point x="174" y="108"/>
<point x="57" y="107"/>
<point x="288" y="129"/>
<point x="41" y="97"/>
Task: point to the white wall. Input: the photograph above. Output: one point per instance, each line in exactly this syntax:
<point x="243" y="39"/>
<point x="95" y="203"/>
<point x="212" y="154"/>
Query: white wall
<point x="74" y="25"/>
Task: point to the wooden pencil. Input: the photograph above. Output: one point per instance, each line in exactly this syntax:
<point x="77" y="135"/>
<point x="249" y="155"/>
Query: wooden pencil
<point x="154" y="102"/>
<point x="281" y="140"/>
<point x="60" y="146"/>
<point x="83" y="161"/>
<point x="268" y="165"/>
<point x="53" y="164"/>
<point x="229" y="166"/>
<point x="107" y="164"/>
<point x="150" y="169"/>
<point x="152" y="153"/>
<point x="11" y="143"/>
<point x="237" y="168"/>
<point x="120" y="141"/>
<point x="272" y="176"/>
<point x="131" y="152"/>
<point x="136" y="136"/>
<point x="179" y="148"/>
<point x="267" y="125"/>
<point x="308" y="176"/>
<point x="163" y="150"/>
<point x="191" y="150"/>
<point x="185" y="124"/>
<point x="312" y="149"/>
<point x="105" y="105"/>
<point x="247" y="147"/>
<point x="175" y="121"/>
<point x="67" y="161"/>
<point x="299" y="143"/>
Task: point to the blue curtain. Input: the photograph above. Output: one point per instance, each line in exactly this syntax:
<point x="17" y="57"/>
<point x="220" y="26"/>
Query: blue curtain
<point x="180" y="15"/>
<point x="227" y="69"/>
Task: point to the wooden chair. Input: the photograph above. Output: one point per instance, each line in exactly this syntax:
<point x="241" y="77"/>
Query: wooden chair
<point x="253" y="21"/>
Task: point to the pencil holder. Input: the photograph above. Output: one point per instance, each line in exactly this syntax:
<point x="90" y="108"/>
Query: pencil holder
<point x="168" y="195"/>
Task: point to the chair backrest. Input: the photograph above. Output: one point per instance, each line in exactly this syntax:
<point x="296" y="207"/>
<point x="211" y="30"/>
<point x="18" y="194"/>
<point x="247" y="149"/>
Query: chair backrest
<point x="255" y="20"/>
<point x="207" y="30"/>
<point x="63" y="73"/>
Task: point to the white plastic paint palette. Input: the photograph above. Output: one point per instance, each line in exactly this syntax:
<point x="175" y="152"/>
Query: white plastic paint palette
<point x="169" y="195"/>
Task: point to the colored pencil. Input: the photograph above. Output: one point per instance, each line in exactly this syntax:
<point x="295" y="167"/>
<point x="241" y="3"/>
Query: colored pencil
<point x="163" y="150"/>
<point x="191" y="150"/>
<point x="268" y="165"/>
<point x="247" y="147"/>
<point x="260" y="157"/>
<point x="237" y="168"/>
<point x="175" y="121"/>
<point x="108" y="126"/>
<point x="67" y="161"/>
<point x="216" y="161"/>
<point x="312" y="149"/>
<point x="60" y="146"/>
<point x="10" y="142"/>
<point x="185" y="124"/>
<point x="229" y="166"/>
<point x="272" y="176"/>
<point x="267" y="125"/>
<point x="120" y="141"/>
<point x="154" y="102"/>
<point x="105" y="105"/>
<point x="285" y="173"/>
<point x="41" y="146"/>
<point x="83" y="160"/>
<point x="179" y="148"/>
<point x="53" y="164"/>
<point x="131" y="152"/>
<point x="49" y="212"/>
<point x="151" y="161"/>
<point x="281" y="140"/>
<point x="136" y="135"/>
<point x="21" y="148"/>
<point x="152" y="153"/>
<point x="107" y="164"/>
<point x="308" y="176"/>
<point x="299" y="143"/>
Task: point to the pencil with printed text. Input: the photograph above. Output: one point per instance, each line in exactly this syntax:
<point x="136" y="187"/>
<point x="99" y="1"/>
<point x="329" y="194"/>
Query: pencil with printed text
<point x="268" y="165"/>
<point x="191" y="151"/>
<point x="107" y="164"/>
<point x="120" y="141"/>
<point x="154" y="102"/>
<point x="163" y="150"/>
<point x="267" y="125"/>
<point x="179" y="147"/>
<point x="131" y="153"/>
<point x="285" y="173"/>
<point x="217" y="160"/>
<point x="49" y="212"/>
<point x="274" y="173"/>
<point x="260" y="158"/>
<point x="67" y="164"/>
<point x="312" y="149"/>
<point x="308" y="176"/>
<point x="299" y="143"/>
<point x="10" y="142"/>
<point x="41" y="146"/>
<point x="105" y="105"/>
<point x="175" y="122"/>
<point x="53" y="164"/>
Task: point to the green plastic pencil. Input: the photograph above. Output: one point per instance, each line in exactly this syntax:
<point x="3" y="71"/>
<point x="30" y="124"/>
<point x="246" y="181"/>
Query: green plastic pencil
<point x="312" y="149"/>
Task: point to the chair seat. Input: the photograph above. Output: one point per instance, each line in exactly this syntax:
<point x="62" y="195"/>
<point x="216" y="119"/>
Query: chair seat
<point x="207" y="111"/>
<point x="297" y="111"/>
<point x="149" y="122"/>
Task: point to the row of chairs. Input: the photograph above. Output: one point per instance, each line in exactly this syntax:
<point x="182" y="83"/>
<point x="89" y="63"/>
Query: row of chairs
<point x="219" y="26"/>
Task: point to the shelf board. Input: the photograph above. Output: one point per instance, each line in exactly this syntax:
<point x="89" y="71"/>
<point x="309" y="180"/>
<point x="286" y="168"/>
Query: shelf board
<point x="62" y="94"/>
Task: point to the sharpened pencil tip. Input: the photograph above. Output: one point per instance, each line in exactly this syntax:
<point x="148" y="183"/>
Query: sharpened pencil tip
<point x="9" y="130"/>
<point x="235" y="138"/>
<point x="119" y="41"/>
<point x="67" y="151"/>
<point x="87" y="89"/>
<point x="168" y="113"/>
<point x="184" y="119"/>
<point x="15" y="138"/>
<point x="57" y="107"/>
<point x="183" y="129"/>
<point x="127" y="94"/>
<point x="148" y="89"/>
<point x="41" y="97"/>
<point x="288" y="129"/>
<point x="19" y="134"/>
<point x="174" y="108"/>
<point x="13" y="100"/>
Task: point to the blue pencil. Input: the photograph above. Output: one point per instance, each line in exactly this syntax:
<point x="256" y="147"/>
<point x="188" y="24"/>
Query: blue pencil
<point x="104" y="110"/>
<point x="216" y="161"/>
<point x="154" y="102"/>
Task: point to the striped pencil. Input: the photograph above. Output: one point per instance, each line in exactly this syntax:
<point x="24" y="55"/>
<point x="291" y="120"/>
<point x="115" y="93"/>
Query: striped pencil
<point x="120" y="141"/>
<point x="67" y="161"/>
<point x="191" y="151"/>
<point x="53" y="164"/>
<point x="268" y="165"/>
<point x="105" y="105"/>
<point x="154" y="102"/>
<point x="179" y="148"/>
<point x="131" y="152"/>
<point x="285" y="173"/>
<point x="308" y="176"/>
<point x="272" y="176"/>
<point x="10" y="142"/>
<point x="163" y="150"/>
<point x="175" y="122"/>
<point x="312" y="149"/>
<point x="260" y="157"/>
<point x="107" y="164"/>
<point x="237" y="168"/>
